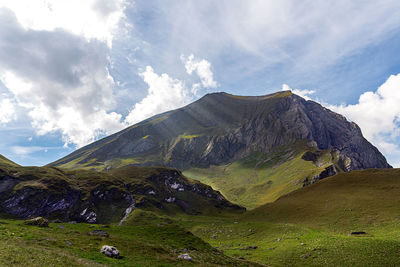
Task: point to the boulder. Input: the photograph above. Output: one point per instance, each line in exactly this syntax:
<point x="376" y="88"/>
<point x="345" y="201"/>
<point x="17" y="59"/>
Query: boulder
<point x="185" y="257"/>
<point x="110" y="251"/>
<point x="101" y="233"/>
<point x="38" y="221"/>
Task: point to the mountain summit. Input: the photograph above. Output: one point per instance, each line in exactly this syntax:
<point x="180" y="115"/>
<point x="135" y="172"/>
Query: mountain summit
<point x="254" y="132"/>
<point x="220" y="128"/>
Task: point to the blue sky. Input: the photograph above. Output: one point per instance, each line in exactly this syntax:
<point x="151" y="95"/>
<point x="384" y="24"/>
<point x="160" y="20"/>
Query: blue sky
<point x="74" y="71"/>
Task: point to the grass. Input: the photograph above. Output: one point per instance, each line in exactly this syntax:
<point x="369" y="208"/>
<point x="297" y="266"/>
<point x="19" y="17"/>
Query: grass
<point x="281" y="244"/>
<point x="64" y="244"/>
<point x="6" y="162"/>
<point x="308" y="227"/>
<point x="367" y="198"/>
<point x="311" y="226"/>
<point x="261" y="178"/>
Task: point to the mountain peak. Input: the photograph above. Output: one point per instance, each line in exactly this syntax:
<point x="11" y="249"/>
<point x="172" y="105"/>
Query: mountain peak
<point x="260" y="97"/>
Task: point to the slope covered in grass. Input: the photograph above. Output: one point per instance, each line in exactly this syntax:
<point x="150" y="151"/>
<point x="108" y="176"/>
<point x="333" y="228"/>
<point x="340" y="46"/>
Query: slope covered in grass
<point x="261" y="178"/>
<point x="6" y="162"/>
<point x="344" y="202"/>
<point x="311" y="226"/>
<point x="64" y="244"/>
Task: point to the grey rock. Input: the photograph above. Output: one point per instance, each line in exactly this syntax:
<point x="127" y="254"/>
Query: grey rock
<point x="38" y="221"/>
<point x="110" y="251"/>
<point x="101" y="233"/>
<point x="185" y="256"/>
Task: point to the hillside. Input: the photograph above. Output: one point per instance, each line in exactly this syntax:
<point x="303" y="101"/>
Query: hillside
<point x="365" y="198"/>
<point x="6" y="162"/>
<point x="312" y="226"/>
<point x="253" y="149"/>
<point x="100" y="197"/>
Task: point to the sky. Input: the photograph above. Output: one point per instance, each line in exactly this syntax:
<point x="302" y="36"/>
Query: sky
<point x="72" y="72"/>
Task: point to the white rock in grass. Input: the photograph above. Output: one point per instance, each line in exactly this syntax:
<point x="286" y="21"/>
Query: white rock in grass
<point x="185" y="257"/>
<point x="110" y="251"/>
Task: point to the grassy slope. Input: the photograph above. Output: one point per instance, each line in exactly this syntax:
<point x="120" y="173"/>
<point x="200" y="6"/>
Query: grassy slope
<point x="311" y="226"/>
<point x="6" y="162"/>
<point x="140" y="245"/>
<point x="259" y="178"/>
<point x="364" y="198"/>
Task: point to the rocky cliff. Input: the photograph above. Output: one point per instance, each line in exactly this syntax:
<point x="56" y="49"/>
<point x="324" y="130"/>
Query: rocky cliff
<point x="102" y="197"/>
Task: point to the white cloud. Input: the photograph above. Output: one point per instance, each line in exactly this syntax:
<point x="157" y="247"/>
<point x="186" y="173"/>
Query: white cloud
<point x="164" y="94"/>
<point x="91" y="18"/>
<point x="307" y="35"/>
<point x="303" y="93"/>
<point x="60" y="78"/>
<point x="7" y="111"/>
<point x="202" y="69"/>
<point x="26" y="150"/>
<point x="378" y="115"/>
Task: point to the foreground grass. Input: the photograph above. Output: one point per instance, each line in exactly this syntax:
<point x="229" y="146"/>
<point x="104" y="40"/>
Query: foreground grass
<point x="309" y="227"/>
<point x="67" y="244"/>
<point x="234" y="241"/>
<point x="278" y="244"/>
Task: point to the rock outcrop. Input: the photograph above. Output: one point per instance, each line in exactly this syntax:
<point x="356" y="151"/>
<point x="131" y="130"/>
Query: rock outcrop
<point x="94" y="197"/>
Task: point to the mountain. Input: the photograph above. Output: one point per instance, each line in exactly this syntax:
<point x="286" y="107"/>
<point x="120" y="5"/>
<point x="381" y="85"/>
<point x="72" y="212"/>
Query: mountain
<point x="253" y="149"/>
<point x="102" y="197"/>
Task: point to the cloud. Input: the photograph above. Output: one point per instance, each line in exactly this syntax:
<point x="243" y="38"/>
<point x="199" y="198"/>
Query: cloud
<point x="164" y="94"/>
<point x="378" y="115"/>
<point x="303" y="93"/>
<point x="97" y="19"/>
<point x="7" y="111"/>
<point x="253" y="38"/>
<point x="60" y="78"/>
<point x="202" y="69"/>
<point x="26" y="150"/>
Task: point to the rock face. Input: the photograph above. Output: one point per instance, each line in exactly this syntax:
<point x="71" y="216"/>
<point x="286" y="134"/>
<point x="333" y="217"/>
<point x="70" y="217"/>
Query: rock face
<point x="94" y="197"/>
<point x="221" y="128"/>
